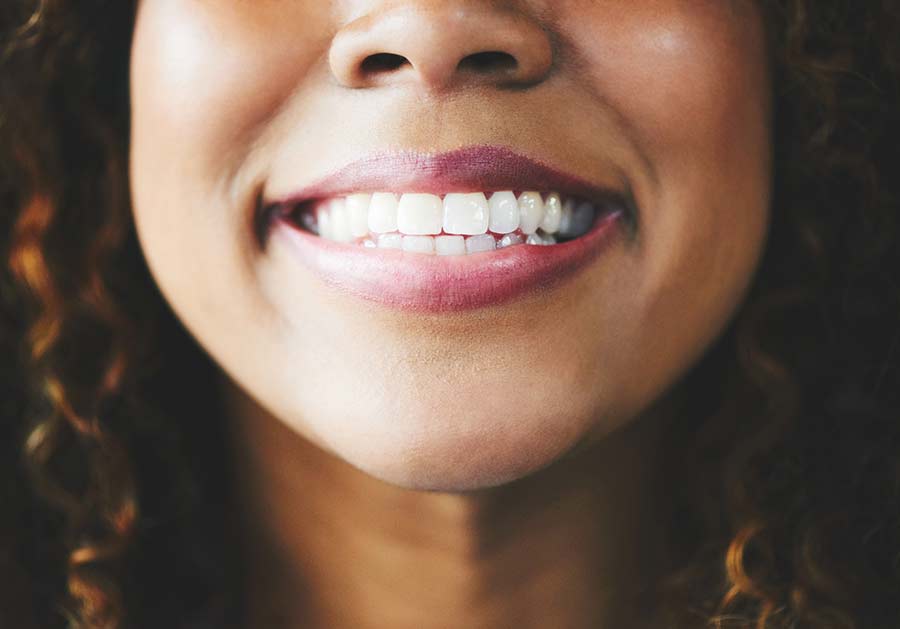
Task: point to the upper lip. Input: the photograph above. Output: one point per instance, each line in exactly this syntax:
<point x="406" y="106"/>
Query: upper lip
<point x="469" y="169"/>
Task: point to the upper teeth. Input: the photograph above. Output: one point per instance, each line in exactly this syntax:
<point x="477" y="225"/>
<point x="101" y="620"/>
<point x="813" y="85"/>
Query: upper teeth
<point x="383" y="218"/>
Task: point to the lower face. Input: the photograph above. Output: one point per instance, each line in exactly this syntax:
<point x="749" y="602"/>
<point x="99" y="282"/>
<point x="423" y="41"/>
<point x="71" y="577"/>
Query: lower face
<point x="270" y="195"/>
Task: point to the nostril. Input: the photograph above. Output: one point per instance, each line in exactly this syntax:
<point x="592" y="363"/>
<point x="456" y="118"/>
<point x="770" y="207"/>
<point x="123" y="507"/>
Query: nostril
<point x="383" y="62"/>
<point x="488" y="62"/>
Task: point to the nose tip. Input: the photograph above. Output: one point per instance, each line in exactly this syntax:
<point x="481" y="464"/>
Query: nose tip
<point x="440" y="47"/>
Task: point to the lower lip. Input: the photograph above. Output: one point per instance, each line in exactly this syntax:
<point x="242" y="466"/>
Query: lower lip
<point x="416" y="282"/>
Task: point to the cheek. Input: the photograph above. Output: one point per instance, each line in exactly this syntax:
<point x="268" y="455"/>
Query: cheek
<point x="688" y="80"/>
<point x="691" y="85"/>
<point x="206" y="78"/>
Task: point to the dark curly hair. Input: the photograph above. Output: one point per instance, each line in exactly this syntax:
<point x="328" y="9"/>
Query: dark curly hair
<point x="111" y="478"/>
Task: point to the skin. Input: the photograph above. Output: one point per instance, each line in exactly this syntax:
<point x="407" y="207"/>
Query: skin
<point x="381" y="452"/>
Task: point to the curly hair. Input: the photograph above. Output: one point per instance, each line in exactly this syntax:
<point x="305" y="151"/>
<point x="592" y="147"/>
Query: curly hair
<point x="113" y="499"/>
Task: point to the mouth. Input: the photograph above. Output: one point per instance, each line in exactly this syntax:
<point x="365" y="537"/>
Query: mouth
<point x="452" y="231"/>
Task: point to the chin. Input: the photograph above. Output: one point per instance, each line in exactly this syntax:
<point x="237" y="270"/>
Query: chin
<point x="452" y="447"/>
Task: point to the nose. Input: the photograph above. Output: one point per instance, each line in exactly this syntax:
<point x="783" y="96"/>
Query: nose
<point x="441" y="45"/>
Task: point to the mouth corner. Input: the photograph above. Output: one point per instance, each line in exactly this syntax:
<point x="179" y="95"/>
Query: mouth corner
<point x="265" y="215"/>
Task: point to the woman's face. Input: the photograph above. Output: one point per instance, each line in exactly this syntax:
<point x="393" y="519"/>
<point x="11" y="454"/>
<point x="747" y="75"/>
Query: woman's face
<point x="459" y="371"/>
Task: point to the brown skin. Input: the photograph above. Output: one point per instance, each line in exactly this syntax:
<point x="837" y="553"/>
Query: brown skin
<point x="569" y="546"/>
<point x="348" y="412"/>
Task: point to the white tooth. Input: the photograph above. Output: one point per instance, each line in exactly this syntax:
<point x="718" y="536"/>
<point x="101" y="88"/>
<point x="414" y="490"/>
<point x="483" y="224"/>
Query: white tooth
<point x="340" y="222"/>
<point x="420" y="214"/>
<point x="383" y="213"/>
<point x="477" y="244"/>
<point x="450" y="245"/>
<point x="565" y="219"/>
<point x="466" y="214"/>
<point x="368" y="243"/>
<point x="324" y="221"/>
<point x="552" y="214"/>
<point x="534" y="239"/>
<point x="549" y="239"/>
<point x="358" y="214"/>
<point x="504" y="213"/>
<point x="418" y="244"/>
<point x="509" y="240"/>
<point x="531" y="211"/>
<point x="390" y="241"/>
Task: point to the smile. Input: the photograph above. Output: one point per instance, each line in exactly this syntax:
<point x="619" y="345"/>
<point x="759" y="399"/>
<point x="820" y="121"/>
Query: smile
<point x="455" y="231"/>
<point x="457" y="224"/>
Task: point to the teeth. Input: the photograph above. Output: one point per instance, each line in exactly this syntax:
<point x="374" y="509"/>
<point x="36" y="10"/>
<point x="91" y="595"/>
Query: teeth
<point x="420" y="214"/>
<point x="477" y="244"/>
<point x="509" y="240"/>
<point x="552" y="214"/>
<point x="450" y="245"/>
<point x="418" y="244"/>
<point x="340" y="223"/>
<point x="390" y="241"/>
<point x="504" y="213"/>
<point x="565" y="219"/>
<point x="358" y="214"/>
<point x="383" y="213"/>
<point x="458" y="224"/>
<point x="531" y="212"/>
<point x="324" y="224"/>
<point x="466" y="214"/>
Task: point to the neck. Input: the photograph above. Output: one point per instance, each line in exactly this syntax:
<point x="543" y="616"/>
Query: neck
<point x="329" y="546"/>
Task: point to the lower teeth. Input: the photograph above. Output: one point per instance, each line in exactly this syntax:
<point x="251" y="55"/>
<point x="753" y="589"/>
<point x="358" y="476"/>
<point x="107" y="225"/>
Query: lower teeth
<point x="460" y="245"/>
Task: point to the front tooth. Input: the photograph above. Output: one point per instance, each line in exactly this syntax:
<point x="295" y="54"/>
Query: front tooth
<point x="450" y="245"/>
<point x="477" y="244"/>
<point x="383" y="213"/>
<point x="504" y="213"/>
<point x="534" y="239"/>
<point x="358" y="214"/>
<point x="552" y="214"/>
<point x="531" y="211"/>
<point x="466" y="214"/>
<point x="420" y="214"/>
<point x="418" y="244"/>
<point x="340" y="222"/>
<point x="390" y="241"/>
